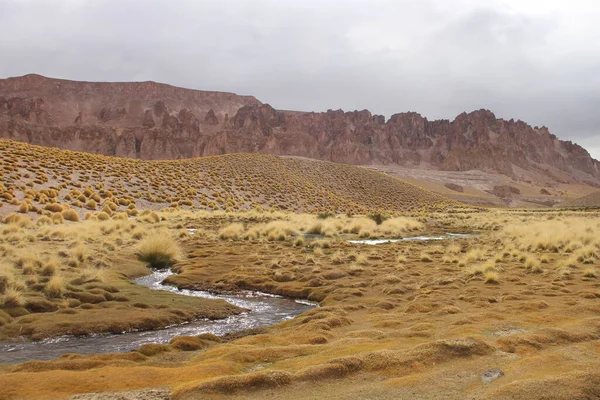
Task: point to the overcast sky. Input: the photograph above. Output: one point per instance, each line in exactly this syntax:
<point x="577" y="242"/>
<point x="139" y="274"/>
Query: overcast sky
<point x="535" y="60"/>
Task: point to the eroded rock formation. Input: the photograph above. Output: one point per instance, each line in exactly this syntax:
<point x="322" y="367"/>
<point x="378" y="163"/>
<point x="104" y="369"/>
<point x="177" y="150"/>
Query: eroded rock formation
<point x="156" y="121"/>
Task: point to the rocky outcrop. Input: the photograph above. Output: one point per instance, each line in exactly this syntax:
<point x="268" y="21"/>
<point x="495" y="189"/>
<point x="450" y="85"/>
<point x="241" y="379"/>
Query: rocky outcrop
<point x="505" y="191"/>
<point x="455" y="187"/>
<point x="211" y="118"/>
<point x="118" y="104"/>
<point x="155" y="121"/>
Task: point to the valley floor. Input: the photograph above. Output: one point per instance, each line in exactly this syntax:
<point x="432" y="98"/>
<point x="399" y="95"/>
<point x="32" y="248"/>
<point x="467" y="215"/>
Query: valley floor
<point x="508" y="313"/>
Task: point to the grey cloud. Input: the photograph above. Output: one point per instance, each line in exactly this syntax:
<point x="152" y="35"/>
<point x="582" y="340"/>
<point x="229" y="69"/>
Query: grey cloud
<point x="437" y="57"/>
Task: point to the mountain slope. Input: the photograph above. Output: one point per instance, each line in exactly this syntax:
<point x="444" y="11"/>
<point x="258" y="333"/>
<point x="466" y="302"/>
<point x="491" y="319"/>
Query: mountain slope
<point x="40" y="176"/>
<point x="592" y="200"/>
<point x="155" y="121"/>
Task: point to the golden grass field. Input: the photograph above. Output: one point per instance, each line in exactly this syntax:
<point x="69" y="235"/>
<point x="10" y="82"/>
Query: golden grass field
<point x="509" y="313"/>
<point x="48" y="181"/>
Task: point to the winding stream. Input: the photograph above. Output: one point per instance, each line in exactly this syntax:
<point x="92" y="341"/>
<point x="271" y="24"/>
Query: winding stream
<point x="412" y="238"/>
<point x="264" y="309"/>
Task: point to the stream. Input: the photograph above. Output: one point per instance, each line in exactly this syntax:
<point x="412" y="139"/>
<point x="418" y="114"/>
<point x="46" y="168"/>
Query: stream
<point x="412" y="238"/>
<point x="265" y="309"/>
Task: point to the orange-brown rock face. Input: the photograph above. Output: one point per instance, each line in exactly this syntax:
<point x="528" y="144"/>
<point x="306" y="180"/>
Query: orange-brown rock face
<point x="157" y="121"/>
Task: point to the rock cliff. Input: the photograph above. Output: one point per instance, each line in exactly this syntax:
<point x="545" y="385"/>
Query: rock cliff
<point x="149" y="120"/>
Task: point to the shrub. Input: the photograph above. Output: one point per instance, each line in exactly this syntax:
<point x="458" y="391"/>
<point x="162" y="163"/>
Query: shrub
<point x="44" y="220"/>
<point x="188" y="343"/>
<point x="533" y="265"/>
<point x="120" y="216"/>
<point x="17" y="219"/>
<point x="152" y="349"/>
<point x="378" y="218"/>
<point x="55" y="287"/>
<point x="11" y="298"/>
<point x="150" y="216"/>
<point x="112" y="206"/>
<point x="589" y="273"/>
<point x="159" y="251"/>
<point x="232" y="231"/>
<point x="90" y="204"/>
<point x="70" y="215"/>
<point x="78" y="252"/>
<point x="475" y="270"/>
<point x="325" y="215"/>
<point x="91" y="274"/>
<point x="315" y="229"/>
<point x="57" y="218"/>
<point x="102" y="216"/>
<point x="54" y="207"/>
<point x="361" y="259"/>
<point x="6" y="196"/>
<point x="23" y="208"/>
<point x="399" y="225"/>
<point x="49" y="268"/>
<point x="491" y="277"/>
<point x="138" y="233"/>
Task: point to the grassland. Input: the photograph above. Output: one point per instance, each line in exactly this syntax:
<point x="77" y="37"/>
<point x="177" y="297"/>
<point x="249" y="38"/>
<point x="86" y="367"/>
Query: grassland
<point x="60" y="279"/>
<point x="50" y="181"/>
<point x="509" y="313"/>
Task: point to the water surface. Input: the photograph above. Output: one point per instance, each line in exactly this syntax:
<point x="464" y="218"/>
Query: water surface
<point x="264" y="309"/>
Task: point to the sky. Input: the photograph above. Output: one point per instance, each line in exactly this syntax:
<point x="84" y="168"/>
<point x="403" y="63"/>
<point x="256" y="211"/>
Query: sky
<point x="534" y="60"/>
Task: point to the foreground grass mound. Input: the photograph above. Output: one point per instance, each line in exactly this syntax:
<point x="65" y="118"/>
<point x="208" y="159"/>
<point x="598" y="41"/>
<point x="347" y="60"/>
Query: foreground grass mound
<point x="74" y="279"/>
<point x="159" y="251"/>
<point x="60" y="183"/>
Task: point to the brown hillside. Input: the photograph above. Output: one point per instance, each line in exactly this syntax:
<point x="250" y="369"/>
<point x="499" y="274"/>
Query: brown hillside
<point x="149" y="120"/>
<point x="35" y="177"/>
<point x="591" y="200"/>
<point x="60" y="102"/>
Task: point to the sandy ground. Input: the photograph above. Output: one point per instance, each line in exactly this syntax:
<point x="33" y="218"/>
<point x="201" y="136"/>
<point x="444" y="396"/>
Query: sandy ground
<point x="478" y="186"/>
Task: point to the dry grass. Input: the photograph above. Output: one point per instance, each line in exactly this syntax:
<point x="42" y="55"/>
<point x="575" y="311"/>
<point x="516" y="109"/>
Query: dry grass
<point x="69" y="279"/>
<point x="590" y="273"/>
<point x="55" y="287"/>
<point x="491" y="277"/>
<point x="159" y="251"/>
<point x="393" y="317"/>
<point x="233" y="231"/>
<point x="231" y="183"/>
<point x="70" y="215"/>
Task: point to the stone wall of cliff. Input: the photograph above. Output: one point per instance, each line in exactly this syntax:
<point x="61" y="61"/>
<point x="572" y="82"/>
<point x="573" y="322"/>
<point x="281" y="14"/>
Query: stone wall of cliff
<point x="154" y="121"/>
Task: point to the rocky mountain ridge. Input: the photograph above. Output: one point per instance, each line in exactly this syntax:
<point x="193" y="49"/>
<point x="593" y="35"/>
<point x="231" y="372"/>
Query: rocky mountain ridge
<point x="150" y="120"/>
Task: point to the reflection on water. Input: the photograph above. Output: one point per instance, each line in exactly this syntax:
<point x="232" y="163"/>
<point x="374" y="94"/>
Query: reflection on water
<point x="265" y="309"/>
<point x="412" y="238"/>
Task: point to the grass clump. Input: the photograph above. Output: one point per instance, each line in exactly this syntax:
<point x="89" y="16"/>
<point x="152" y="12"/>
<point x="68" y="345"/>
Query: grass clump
<point x="70" y="215"/>
<point x="12" y="297"/>
<point x="425" y="257"/>
<point x="159" y="251"/>
<point x="55" y="287"/>
<point x="378" y="218"/>
<point x="590" y="273"/>
<point x="491" y="277"/>
<point x="232" y="231"/>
